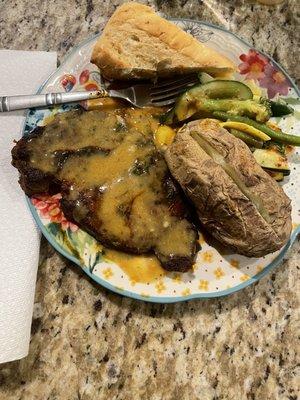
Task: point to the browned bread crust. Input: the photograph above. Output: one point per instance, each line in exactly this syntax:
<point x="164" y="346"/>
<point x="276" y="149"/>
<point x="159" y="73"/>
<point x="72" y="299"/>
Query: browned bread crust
<point x="138" y="43"/>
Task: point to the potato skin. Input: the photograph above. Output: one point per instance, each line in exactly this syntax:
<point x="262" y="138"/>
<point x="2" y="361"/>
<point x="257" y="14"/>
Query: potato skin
<point x="221" y="206"/>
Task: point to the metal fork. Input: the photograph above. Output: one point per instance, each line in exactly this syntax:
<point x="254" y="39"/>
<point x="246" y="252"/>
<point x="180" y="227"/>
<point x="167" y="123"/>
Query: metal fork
<point x="163" y="93"/>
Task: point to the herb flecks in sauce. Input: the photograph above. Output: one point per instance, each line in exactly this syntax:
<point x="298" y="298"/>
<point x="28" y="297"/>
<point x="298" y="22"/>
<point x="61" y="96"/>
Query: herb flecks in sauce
<point x="115" y="182"/>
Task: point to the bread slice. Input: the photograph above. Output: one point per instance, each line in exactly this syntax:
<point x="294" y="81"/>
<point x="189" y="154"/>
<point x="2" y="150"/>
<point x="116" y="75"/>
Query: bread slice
<point x="137" y="43"/>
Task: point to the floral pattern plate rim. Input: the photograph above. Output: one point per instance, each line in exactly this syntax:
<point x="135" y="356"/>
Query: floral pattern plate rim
<point x="214" y="275"/>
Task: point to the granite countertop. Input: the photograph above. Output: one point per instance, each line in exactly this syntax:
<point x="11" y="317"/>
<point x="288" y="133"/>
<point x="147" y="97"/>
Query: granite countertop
<point x="88" y="343"/>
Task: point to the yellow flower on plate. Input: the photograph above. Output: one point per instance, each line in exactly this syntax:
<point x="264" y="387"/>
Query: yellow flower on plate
<point x="207" y="256"/>
<point x="186" y="292"/>
<point x="132" y="281"/>
<point x="218" y="272"/>
<point x="194" y="267"/>
<point x="95" y="247"/>
<point x="107" y="273"/>
<point x="234" y="263"/>
<point x="201" y="239"/>
<point x="259" y="268"/>
<point x="244" y="278"/>
<point x="160" y="287"/>
<point x="176" y="278"/>
<point x="145" y="294"/>
<point x="203" y="284"/>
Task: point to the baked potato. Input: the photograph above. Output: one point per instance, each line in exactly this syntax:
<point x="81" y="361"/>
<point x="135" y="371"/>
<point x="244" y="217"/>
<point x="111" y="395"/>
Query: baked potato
<point x="236" y="200"/>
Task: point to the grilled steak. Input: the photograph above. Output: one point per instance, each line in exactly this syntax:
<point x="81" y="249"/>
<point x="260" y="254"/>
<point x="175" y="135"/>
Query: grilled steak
<point x="113" y="181"/>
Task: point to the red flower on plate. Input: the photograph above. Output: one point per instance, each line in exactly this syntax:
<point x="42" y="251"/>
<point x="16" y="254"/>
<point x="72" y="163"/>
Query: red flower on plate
<point x="48" y="208"/>
<point x="274" y="81"/>
<point x="84" y="76"/>
<point x="256" y="66"/>
<point x="253" y="64"/>
<point x="68" y="81"/>
<point x="91" y="86"/>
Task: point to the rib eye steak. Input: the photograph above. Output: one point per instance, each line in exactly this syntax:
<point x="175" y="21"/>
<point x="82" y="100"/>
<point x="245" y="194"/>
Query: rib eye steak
<point x="113" y="181"/>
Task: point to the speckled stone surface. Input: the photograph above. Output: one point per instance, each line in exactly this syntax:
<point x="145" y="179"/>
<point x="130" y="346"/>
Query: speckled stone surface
<point x="90" y="344"/>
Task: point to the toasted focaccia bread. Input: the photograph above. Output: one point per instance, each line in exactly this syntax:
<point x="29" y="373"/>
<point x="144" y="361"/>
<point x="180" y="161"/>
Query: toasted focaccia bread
<point x="139" y="44"/>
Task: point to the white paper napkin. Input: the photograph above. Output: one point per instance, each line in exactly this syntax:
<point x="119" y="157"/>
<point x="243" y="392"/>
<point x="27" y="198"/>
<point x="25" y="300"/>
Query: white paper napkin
<point x="21" y="72"/>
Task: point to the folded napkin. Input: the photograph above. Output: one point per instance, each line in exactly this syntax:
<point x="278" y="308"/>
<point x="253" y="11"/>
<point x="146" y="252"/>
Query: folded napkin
<point x="21" y="72"/>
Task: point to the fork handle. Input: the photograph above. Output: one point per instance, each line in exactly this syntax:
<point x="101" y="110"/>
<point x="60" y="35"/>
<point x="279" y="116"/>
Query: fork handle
<point x="11" y="103"/>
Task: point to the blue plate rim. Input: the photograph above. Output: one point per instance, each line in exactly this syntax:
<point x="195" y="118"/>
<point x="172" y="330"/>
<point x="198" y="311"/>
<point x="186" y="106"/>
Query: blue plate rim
<point x="160" y="299"/>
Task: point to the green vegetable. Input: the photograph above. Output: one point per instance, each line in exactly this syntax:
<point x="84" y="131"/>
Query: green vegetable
<point x="197" y="98"/>
<point x="277" y="136"/>
<point x="168" y="117"/>
<point x="280" y="108"/>
<point x="249" y="140"/>
<point x="249" y="108"/>
<point x="257" y="134"/>
<point x="275" y="145"/>
<point x="220" y="89"/>
<point x="204" y="77"/>
<point x="142" y="167"/>
<point x="272" y="160"/>
<point x="120" y="126"/>
<point x="278" y="176"/>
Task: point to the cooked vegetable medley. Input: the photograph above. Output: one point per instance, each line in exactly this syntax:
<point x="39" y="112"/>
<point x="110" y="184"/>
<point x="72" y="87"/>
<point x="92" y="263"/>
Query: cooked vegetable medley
<point x="245" y="115"/>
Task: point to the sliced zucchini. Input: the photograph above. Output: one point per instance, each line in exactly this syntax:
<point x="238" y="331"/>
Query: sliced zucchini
<point x="186" y="104"/>
<point x="278" y="176"/>
<point x="272" y="160"/>
<point x="204" y="77"/>
<point x="256" y="90"/>
<point x="280" y="147"/>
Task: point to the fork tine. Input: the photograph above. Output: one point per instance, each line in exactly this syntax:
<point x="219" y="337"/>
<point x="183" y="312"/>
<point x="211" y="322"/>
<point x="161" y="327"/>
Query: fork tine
<point x="171" y="82"/>
<point x="157" y="90"/>
<point x="173" y="89"/>
<point x="169" y="97"/>
<point x="164" y="103"/>
<point x="171" y="93"/>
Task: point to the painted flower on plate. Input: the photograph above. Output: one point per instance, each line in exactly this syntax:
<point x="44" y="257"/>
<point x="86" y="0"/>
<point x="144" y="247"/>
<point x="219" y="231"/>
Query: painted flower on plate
<point x="257" y="67"/>
<point x="48" y="208"/>
<point x="253" y="64"/>
<point x="274" y="81"/>
<point x="68" y="81"/>
<point x="200" y="33"/>
<point x="84" y="76"/>
<point x="91" y="86"/>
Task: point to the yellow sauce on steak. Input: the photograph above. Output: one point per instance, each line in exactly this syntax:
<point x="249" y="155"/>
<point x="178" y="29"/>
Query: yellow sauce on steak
<point x="116" y="185"/>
